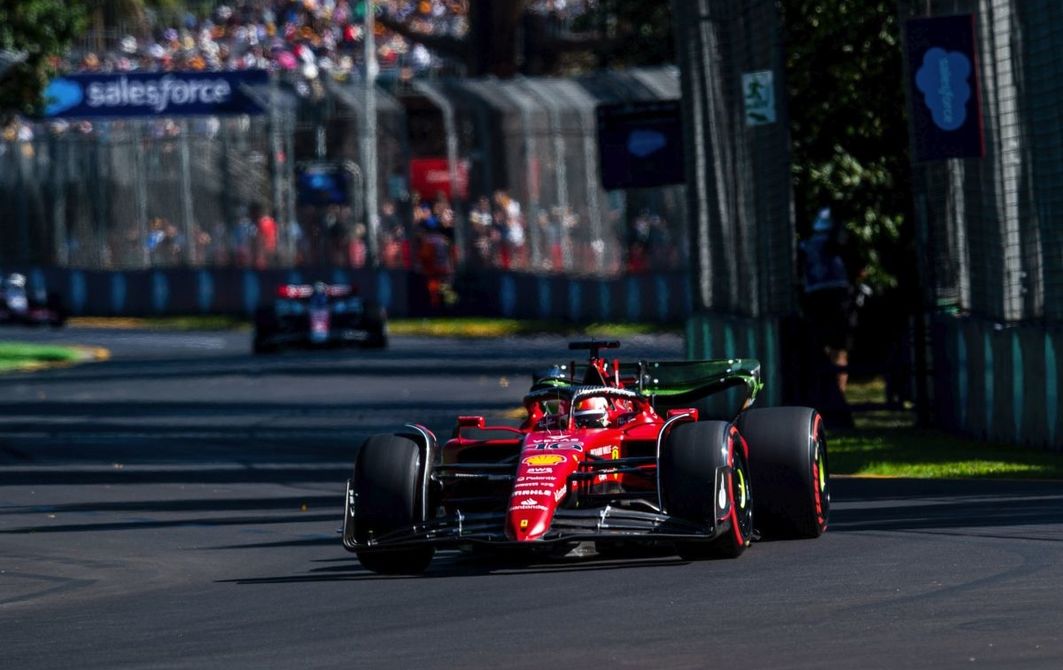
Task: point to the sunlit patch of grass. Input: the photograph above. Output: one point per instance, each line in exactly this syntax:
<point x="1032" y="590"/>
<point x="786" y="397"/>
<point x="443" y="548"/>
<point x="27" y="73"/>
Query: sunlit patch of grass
<point x="23" y="356"/>
<point x="886" y="442"/>
<point x="213" y="322"/>
<point x="476" y="327"/>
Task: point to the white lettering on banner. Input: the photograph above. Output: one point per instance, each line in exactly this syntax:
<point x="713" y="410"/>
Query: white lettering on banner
<point x="158" y="94"/>
<point x="539" y="471"/>
<point x="532" y="492"/>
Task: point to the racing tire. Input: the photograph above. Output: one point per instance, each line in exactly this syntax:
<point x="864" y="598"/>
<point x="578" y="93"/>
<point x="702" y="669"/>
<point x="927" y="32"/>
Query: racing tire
<point x="690" y="458"/>
<point x="259" y="347"/>
<point x="378" y="331"/>
<point x="788" y="463"/>
<point x="387" y="483"/>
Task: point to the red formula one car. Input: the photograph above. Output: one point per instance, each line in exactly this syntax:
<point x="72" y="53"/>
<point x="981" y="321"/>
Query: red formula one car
<point x="621" y="455"/>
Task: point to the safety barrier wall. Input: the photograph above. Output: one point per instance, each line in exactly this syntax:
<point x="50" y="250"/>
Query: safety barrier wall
<point x="999" y="383"/>
<point x="656" y="298"/>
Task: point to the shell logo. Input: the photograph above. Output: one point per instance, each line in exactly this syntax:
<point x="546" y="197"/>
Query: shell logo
<point x="544" y="459"/>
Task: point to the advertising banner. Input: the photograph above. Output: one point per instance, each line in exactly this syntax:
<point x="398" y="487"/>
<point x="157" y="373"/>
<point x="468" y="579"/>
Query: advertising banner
<point x="431" y="176"/>
<point x="153" y="94"/>
<point x="946" y="106"/>
<point x="640" y="144"/>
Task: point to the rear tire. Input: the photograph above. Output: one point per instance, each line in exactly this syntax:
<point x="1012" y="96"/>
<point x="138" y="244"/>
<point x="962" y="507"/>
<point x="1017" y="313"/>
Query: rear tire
<point x="689" y="460"/>
<point x="788" y="462"/>
<point x="387" y="483"/>
<point x="259" y="347"/>
<point x="378" y="331"/>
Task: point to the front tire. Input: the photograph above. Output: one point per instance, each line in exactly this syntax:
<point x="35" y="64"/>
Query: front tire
<point x="788" y="461"/>
<point x="387" y="481"/>
<point x="689" y="461"/>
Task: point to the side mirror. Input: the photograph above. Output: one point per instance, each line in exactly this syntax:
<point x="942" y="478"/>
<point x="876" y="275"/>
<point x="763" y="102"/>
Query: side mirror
<point x="684" y="410"/>
<point x="471" y="422"/>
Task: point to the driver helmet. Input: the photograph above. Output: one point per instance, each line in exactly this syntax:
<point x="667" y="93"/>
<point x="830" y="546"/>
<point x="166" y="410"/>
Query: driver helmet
<point x="320" y="288"/>
<point x="592" y="413"/>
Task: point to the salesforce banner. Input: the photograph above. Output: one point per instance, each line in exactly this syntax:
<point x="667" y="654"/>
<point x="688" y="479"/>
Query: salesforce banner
<point x="946" y="108"/>
<point x="153" y="93"/>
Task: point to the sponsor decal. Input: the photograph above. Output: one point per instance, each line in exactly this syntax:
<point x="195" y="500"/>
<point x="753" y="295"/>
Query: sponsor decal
<point x="540" y="471"/>
<point x="150" y="93"/>
<point x="523" y="524"/>
<point x="559" y="494"/>
<point x="527" y="505"/>
<point x="533" y="479"/>
<point x="532" y="492"/>
<point x="612" y="452"/>
<point x="544" y="459"/>
<point x="559" y="443"/>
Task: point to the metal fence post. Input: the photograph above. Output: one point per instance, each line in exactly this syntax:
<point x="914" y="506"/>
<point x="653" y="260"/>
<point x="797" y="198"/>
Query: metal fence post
<point x="141" y="188"/>
<point x="187" y="215"/>
<point x="369" y="148"/>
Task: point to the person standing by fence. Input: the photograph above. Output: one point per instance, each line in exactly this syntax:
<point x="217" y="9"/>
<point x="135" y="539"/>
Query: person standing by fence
<point x="827" y="293"/>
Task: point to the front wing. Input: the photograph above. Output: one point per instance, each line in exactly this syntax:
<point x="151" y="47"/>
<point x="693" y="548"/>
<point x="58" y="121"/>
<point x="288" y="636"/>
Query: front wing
<point x="607" y="523"/>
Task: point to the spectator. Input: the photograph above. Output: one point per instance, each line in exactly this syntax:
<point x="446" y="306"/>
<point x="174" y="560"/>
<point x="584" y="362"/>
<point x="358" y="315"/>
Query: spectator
<point x="827" y="288"/>
<point x="266" y="234"/>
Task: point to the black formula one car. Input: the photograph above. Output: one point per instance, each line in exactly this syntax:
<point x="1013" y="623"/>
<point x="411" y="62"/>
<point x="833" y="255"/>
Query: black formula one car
<point x="621" y="455"/>
<point x="32" y="308"/>
<point x="319" y="315"/>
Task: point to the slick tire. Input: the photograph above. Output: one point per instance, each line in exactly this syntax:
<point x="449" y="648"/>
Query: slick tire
<point x="788" y="464"/>
<point x="259" y="347"/>
<point x="387" y="481"/>
<point x="378" y="331"/>
<point x="690" y="458"/>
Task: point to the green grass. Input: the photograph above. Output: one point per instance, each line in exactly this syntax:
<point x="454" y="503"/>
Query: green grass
<point x="178" y="323"/>
<point x="21" y="356"/>
<point x="887" y="443"/>
<point x="475" y="327"/>
<point x="465" y="327"/>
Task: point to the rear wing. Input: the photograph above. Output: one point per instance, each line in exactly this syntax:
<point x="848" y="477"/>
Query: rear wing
<point x="718" y="388"/>
<point x="701" y="384"/>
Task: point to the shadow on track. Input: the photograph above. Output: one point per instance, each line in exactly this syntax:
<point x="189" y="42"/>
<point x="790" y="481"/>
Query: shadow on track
<point x="913" y="504"/>
<point x="454" y="564"/>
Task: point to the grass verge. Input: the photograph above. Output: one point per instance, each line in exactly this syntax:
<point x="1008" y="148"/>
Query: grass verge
<point x="19" y="356"/>
<point x="474" y="327"/>
<point x="464" y="327"/>
<point x="886" y="443"/>
<point x="177" y="323"/>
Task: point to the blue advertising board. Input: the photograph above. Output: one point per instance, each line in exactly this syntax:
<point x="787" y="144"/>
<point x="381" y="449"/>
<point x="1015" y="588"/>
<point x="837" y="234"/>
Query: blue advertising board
<point x="153" y="94"/>
<point x="946" y="106"/>
<point x="640" y="144"/>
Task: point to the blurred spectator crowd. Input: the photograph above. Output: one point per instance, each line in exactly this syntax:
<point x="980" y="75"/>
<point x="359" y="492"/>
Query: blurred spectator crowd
<point x="311" y="38"/>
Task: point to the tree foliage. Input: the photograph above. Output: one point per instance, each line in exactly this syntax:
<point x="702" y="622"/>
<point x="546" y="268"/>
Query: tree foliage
<point x="848" y="130"/>
<point x="42" y="30"/>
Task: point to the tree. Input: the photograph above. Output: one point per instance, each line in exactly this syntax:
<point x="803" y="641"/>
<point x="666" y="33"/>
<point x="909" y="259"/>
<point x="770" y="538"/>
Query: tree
<point x="848" y="128"/>
<point x="39" y="32"/>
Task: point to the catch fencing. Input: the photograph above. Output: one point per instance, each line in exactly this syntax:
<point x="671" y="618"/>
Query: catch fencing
<point x="741" y="227"/>
<point x="742" y="230"/>
<point x="989" y="233"/>
<point x="991" y="226"/>
<point x="517" y="161"/>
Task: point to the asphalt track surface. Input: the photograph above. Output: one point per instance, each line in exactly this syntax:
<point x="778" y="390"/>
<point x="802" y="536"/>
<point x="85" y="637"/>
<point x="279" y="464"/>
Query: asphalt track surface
<point x="177" y="506"/>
